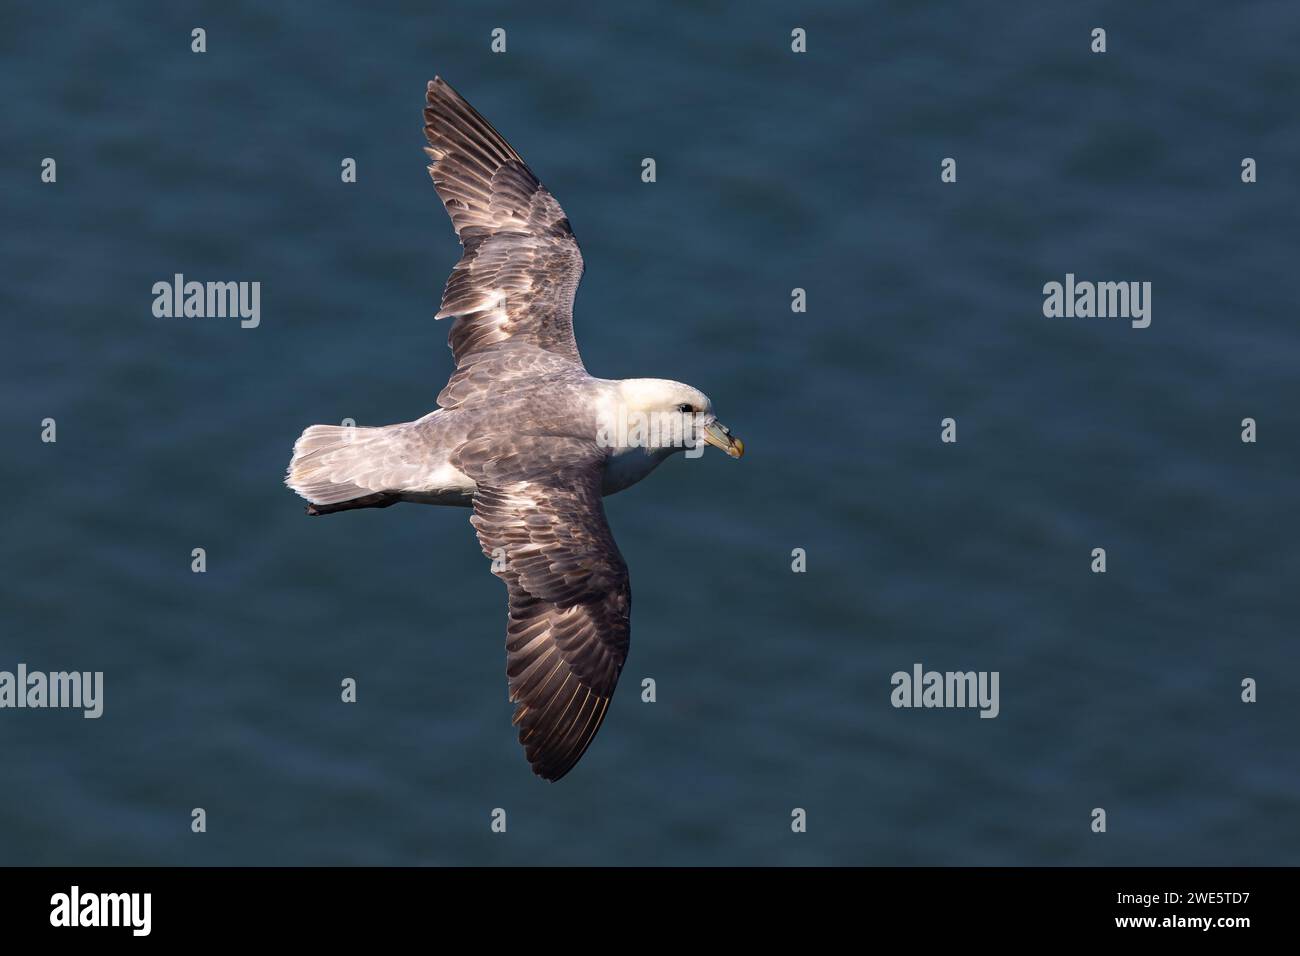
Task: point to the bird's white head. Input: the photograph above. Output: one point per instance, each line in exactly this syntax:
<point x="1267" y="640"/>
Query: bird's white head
<point x="665" y="416"/>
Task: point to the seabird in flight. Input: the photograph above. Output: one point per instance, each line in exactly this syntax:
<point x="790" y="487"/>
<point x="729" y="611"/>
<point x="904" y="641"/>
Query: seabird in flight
<point x="523" y="435"/>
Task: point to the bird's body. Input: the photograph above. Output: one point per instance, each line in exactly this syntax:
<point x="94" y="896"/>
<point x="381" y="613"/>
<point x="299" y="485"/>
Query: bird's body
<point x="524" y="435"/>
<point x="414" y="461"/>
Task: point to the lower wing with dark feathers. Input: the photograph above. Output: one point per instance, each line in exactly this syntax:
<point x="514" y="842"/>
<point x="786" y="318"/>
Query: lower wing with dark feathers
<point x="538" y="515"/>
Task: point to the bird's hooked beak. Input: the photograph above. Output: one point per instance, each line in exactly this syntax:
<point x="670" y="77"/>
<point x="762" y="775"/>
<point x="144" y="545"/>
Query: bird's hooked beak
<point x="719" y="436"/>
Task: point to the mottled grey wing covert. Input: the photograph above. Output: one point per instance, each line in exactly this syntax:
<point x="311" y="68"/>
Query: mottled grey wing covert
<point x="521" y="267"/>
<point x="538" y="515"/>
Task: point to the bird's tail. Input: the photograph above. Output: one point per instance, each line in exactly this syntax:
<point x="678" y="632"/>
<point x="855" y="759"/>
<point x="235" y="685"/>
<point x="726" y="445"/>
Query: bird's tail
<point x="339" y="467"/>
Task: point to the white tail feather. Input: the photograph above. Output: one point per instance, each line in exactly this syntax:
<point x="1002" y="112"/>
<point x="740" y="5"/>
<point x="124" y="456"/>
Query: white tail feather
<point x="335" y="463"/>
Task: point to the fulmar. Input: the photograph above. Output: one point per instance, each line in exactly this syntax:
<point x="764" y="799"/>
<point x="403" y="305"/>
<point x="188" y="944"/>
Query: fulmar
<point x="523" y="435"/>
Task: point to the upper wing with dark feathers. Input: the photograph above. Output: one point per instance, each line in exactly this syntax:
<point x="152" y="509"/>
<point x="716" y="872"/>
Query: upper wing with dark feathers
<point x="538" y="515"/>
<point x="521" y="266"/>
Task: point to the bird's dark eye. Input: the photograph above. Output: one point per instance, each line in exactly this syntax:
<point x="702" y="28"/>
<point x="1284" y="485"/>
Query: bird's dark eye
<point x="684" y="408"/>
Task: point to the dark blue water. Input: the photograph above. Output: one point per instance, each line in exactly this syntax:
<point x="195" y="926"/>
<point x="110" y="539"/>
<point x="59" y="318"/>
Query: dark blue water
<point x="775" y="170"/>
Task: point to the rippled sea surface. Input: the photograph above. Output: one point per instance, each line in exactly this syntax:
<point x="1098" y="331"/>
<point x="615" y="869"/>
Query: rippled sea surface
<point x="775" y="170"/>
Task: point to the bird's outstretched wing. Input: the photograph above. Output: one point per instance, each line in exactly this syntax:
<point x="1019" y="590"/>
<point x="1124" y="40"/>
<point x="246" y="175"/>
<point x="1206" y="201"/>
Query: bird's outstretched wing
<point x="521" y="267"/>
<point x="538" y="515"/>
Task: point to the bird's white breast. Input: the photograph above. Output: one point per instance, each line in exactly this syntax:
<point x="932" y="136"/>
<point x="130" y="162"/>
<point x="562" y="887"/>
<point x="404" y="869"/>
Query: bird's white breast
<point x="626" y="466"/>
